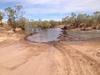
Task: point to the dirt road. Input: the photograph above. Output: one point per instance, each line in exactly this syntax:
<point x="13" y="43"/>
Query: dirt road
<point x="19" y="57"/>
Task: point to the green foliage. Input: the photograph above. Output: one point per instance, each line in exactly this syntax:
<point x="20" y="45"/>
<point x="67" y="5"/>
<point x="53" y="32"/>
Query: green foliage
<point x="11" y="17"/>
<point x="83" y="20"/>
<point x="21" y="23"/>
<point x="1" y="17"/>
<point x="18" y="9"/>
<point x="45" y="25"/>
<point x="13" y="14"/>
<point x="10" y="12"/>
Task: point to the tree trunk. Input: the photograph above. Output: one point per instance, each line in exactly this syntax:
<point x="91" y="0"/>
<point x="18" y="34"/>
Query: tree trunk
<point x="1" y="24"/>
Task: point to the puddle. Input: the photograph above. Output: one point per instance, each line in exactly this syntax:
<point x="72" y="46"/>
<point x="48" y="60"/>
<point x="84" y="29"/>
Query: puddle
<point x="46" y="35"/>
<point x="56" y="34"/>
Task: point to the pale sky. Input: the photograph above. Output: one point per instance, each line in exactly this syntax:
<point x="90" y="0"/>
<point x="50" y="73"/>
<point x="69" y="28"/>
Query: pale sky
<point x="52" y="9"/>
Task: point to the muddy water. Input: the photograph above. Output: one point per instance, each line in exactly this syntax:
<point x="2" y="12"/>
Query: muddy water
<point x="56" y="34"/>
<point x="46" y="35"/>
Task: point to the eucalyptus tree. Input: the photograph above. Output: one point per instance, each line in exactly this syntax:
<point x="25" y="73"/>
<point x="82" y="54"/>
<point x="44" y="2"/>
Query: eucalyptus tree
<point x="96" y="20"/>
<point x="53" y="23"/>
<point x="97" y="16"/>
<point x="45" y="25"/>
<point x="65" y="20"/>
<point x="11" y="17"/>
<point x="69" y="19"/>
<point x="1" y="17"/>
<point x="21" y="22"/>
<point x="72" y="20"/>
<point x="82" y="18"/>
<point x="19" y="16"/>
<point x="18" y="9"/>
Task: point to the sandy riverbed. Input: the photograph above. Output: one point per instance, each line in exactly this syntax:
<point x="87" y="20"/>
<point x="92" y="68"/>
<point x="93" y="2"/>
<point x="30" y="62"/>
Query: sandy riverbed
<point x="20" y="57"/>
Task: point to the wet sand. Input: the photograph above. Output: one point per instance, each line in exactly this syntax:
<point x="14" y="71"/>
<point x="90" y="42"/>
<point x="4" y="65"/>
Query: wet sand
<point x="20" y="57"/>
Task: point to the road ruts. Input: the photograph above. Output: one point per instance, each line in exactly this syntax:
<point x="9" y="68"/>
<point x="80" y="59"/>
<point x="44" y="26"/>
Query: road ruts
<point x="56" y="58"/>
<point x="78" y="62"/>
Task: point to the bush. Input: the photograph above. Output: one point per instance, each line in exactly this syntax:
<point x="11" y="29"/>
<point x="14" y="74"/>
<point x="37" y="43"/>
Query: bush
<point x="45" y="25"/>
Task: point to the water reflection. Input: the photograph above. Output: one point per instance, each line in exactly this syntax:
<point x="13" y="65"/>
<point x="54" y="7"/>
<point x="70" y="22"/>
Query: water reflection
<point x="46" y="35"/>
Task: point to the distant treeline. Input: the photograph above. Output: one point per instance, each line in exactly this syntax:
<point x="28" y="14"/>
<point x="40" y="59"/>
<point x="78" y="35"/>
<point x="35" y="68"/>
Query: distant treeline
<point x="82" y="21"/>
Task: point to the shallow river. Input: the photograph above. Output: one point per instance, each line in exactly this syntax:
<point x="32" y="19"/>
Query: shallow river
<point x="46" y="35"/>
<point x="56" y="34"/>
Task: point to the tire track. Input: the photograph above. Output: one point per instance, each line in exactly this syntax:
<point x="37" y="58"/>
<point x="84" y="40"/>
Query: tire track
<point x="81" y="63"/>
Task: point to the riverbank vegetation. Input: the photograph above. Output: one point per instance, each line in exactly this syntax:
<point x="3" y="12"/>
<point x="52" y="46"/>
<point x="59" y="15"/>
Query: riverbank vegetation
<point x="83" y="21"/>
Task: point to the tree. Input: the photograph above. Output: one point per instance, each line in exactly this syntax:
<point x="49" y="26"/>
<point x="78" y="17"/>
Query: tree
<point x="11" y="17"/>
<point x="21" y="23"/>
<point x="1" y="17"/>
<point x="53" y="23"/>
<point x="45" y="24"/>
<point x="69" y="19"/>
<point x="97" y="16"/>
<point x="18" y="8"/>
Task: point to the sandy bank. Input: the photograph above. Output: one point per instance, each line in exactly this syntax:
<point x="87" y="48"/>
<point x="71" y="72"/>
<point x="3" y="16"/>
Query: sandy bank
<point x="20" y="57"/>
